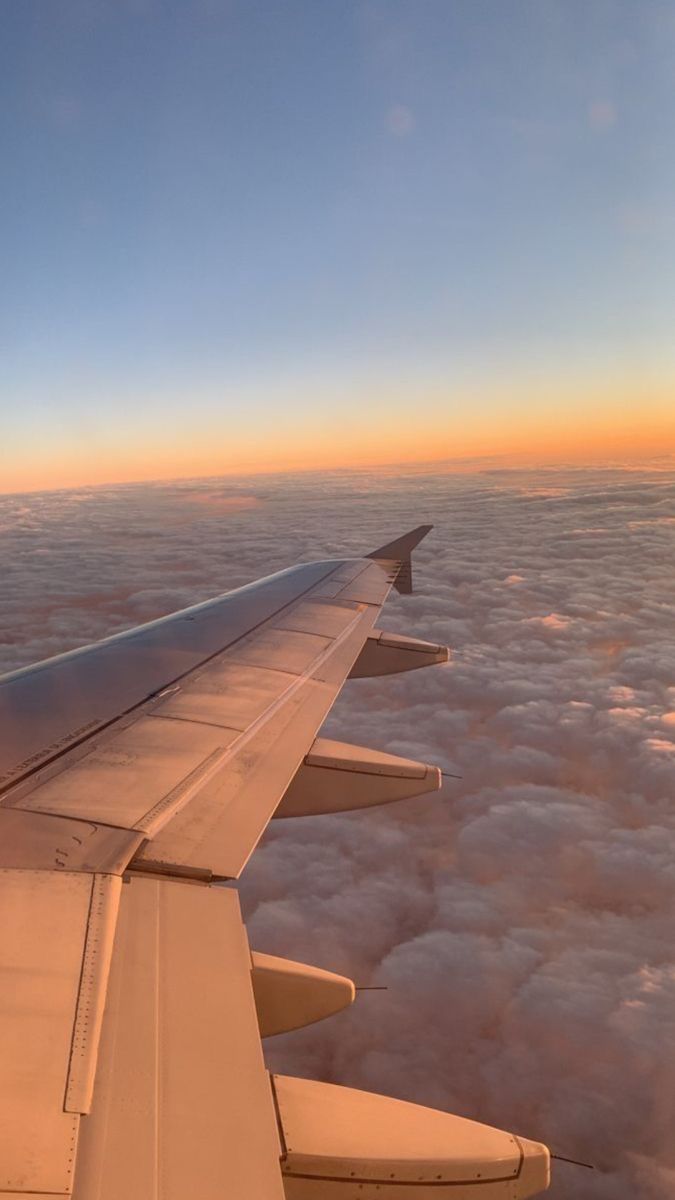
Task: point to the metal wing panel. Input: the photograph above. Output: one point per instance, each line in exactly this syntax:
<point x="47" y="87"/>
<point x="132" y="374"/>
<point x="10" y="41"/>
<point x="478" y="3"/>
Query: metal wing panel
<point x="126" y="775"/>
<point x="280" y="650"/>
<point x="227" y="694"/>
<point x="214" y="752"/>
<point x="48" y="843"/>
<point x="55" y="942"/>
<point x="221" y="826"/>
<point x="370" y="586"/>
<point x="182" y="1104"/>
<point x="317" y="616"/>
<point x="48" y="708"/>
<point x="218" y="830"/>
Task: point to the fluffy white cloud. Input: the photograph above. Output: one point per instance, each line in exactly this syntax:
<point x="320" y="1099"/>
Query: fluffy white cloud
<point x="523" y="919"/>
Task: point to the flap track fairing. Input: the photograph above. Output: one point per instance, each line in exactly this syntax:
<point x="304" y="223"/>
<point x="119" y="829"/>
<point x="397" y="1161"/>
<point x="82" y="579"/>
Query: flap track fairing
<point x="289" y="995"/>
<point x="390" y="653"/>
<point x="341" y="1143"/>
<point x="337" y="777"/>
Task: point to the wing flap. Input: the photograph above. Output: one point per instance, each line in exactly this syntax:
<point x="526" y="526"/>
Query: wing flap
<point x="219" y="829"/>
<point x="182" y="1104"/>
<point x="55" y="941"/>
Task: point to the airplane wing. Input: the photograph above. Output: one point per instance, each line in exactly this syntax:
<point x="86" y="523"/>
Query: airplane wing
<point x="136" y="778"/>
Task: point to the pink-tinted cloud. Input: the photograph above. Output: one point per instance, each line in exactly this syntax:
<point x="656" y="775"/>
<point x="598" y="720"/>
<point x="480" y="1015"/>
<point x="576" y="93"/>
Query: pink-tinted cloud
<point x="522" y="919"/>
<point x="551" y="621"/>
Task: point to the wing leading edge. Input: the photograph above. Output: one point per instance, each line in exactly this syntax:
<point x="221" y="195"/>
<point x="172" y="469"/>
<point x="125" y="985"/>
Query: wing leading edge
<point x="157" y="757"/>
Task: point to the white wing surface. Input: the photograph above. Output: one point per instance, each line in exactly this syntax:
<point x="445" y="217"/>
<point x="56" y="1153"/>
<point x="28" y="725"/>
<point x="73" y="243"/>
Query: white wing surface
<point x="135" y="775"/>
<point x="194" y="748"/>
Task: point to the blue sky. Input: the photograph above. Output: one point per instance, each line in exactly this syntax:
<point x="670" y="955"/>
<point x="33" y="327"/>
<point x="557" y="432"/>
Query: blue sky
<point x="224" y="212"/>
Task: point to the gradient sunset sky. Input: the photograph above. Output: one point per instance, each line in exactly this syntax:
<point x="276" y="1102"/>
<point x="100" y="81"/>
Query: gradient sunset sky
<point x="258" y="235"/>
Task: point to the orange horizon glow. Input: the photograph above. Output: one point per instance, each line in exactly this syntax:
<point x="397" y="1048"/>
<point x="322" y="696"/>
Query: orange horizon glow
<point x="112" y="473"/>
<point x="520" y="433"/>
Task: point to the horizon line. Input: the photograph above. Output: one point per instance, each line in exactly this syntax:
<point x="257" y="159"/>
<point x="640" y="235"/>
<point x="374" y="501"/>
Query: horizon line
<point x="470" y="464"/>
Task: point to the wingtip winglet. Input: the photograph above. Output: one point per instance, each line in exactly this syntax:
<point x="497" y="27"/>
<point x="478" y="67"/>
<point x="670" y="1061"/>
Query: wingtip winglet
<point x="402" y="547"/>
<point x="400" y="551"/>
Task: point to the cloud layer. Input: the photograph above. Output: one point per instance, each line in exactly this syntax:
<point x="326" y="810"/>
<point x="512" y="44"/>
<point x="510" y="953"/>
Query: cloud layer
<point x="523" y="919"/>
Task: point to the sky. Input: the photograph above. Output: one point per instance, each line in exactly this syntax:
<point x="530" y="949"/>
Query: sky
<point x="252" y="236"/>
<point x="521" y="918"/>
